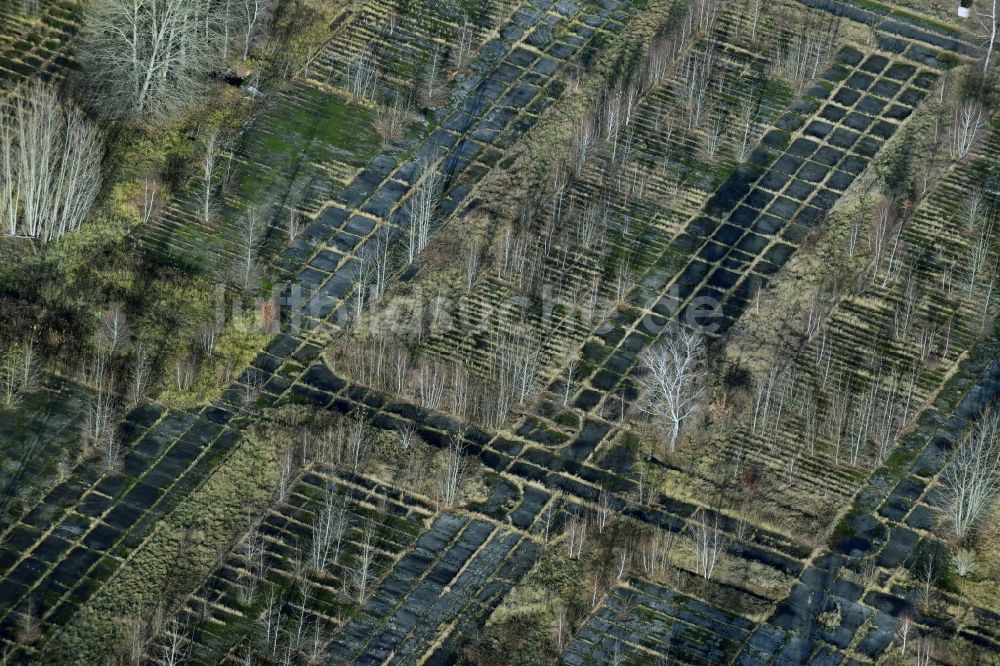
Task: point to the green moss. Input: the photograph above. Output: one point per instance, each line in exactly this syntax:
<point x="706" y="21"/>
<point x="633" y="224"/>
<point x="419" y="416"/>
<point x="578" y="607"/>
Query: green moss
<point x="843" y="529"/>
<point x="898" y="463"/>
<point x="948" y="59"/>
<point x="540" y="432"/>
<point x="568" y="419"/>
<point x="290" y="369"/>
<point x="291" y="398"/>
<point x="319" y="126"/>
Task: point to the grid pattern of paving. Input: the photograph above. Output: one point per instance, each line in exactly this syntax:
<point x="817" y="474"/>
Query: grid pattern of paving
<point x="60" y="552"/>
<point x="104" y="518"/>
<point x="937" y="243"/>
<point x="34" y="445"/>
<point x="523" y="471"/>
<point x="33" y="44"/>
<point x="646" y="622"/>
<point x="870" y="618"/>
<point x="220" y="621"/>
<point x="505" y="99"/>
<point x="81" y="532"/>
<point x="644" y="200"/>
<point x="455" y="576"/>
<point x="306" y="178"/>
<point x="756" y="220"/>
<point x="402" y="40"/>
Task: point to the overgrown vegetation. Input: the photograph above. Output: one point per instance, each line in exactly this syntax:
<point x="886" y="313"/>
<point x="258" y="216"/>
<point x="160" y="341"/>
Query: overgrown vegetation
<point x="497" y="331"/>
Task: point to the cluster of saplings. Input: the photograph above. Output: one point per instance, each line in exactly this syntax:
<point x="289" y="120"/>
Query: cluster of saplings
<point x="599" y="552"/>
<point x="507" y="363"/>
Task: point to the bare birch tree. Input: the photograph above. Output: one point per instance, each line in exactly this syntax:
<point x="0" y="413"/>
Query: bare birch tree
<point x="969" y="118"/>
<point x="695" y="84"/>
<point x="584" y="140"/>
<point x="753" y="15"/>
<point x="294" y="227"/>
<point x="208" y="160"/>
<point x="114" y="330"/>
<point x="964" y="561"/>
<point x="454" y="471"/>
<point x="576" y="535"/>
<point x="286" y="476"/>
<point x="977" y="256"/>
<point x="569" y="380"/>
<point x="673" y="380"/>
<point x="328" y="530"/>
<point x="176" y="646"/>
<point x="884" y="241"/>
<point x="251" y="548"/>
<point x="362" y="75"/>
<point x="19" y="373"/>
<point x="407" y="435"/>
<point x="709" y="544"/>
<point x="390" y="120"/>
<point x="904" y="631"/>
<point x="654" y="552"/>
<point x="151" y="199"/>
<point x="50" y="165"/>
<point x="149" y="59"/>
<point x="364" y="564"/>
<point x="256" y="14"/>
<point x="748" y="130"/>
<point x="433" y="78"/>
<point x="246" y="268"/>
<point x="422" y="208"/>
<point x="10" y="384"/>
<point x="465" y="43"/>
<point x="358" y="436"/>
<point x="925" y="651"/>
<point x="971" y="482"/>
<point x="714" y="134"/>
<point x="101" y="413"/>
<point x="989" y="20"/>
<point x="973" y="209"/>
<point x="613" y="121"/>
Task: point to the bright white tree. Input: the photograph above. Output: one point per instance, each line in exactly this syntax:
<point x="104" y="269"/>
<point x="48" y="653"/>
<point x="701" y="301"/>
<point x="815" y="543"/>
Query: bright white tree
<point x="246" y="269"/>
<point x="454" y="472"/>
<point x="989" y="20"/>
<point x="50" y="165"/>
<point x="972" y="481"/>
<point x="149" y="59"/>
<point x="422" y="208"/>
<point x="709" y="543"/>
<point x="673" y="380"/>
<point x="328" y="529"/>
<point x="364" y="565"/>
<point x="969" y="119"/>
